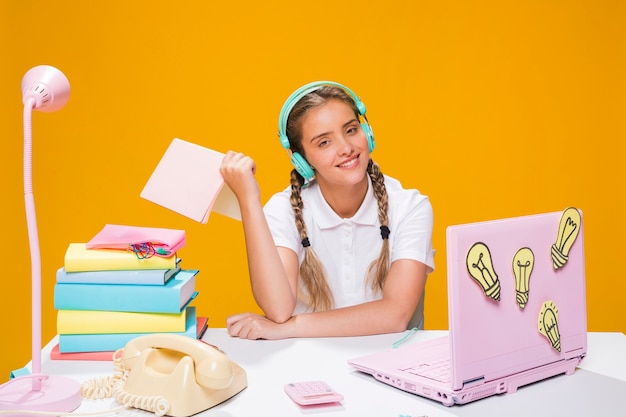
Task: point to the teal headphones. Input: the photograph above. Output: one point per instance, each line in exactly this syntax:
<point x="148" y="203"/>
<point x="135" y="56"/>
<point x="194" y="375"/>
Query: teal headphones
<point x="300" y="164"/>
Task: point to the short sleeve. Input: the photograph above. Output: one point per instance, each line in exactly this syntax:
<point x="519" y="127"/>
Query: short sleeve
<point x="412" y="216"/>
<point x="281" y="221"/>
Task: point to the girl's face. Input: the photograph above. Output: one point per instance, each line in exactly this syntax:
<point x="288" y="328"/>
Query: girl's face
<point x="334" y="144"/>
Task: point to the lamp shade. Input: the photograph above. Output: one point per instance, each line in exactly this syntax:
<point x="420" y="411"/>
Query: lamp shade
<point x="47" y="87"/>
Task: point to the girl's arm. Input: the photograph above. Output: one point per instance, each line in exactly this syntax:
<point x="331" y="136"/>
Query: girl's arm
<point x="273" y="271"/>
<point x="402" y="292"/>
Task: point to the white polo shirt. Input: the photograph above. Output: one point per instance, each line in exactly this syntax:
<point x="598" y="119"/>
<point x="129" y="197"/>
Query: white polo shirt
<point x="346" y="247"/>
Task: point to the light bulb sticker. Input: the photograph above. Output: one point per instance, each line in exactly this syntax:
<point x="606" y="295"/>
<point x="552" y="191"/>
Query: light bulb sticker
<point x="523" y="263"/>
<point x="569" y="227"/>
<point x="549" y="324"/>
<point x="480" y="268"/>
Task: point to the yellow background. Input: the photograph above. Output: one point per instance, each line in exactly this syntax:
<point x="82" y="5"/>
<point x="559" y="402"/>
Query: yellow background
<point x="492" y="108"/>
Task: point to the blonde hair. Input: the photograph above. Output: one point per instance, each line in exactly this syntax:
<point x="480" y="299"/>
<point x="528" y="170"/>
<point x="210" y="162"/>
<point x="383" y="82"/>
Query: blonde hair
<point x="318" y="295"/>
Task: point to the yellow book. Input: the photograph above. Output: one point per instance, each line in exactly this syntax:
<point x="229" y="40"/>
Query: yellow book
<point x="99" y="322"/>
<point x="78" y="258"/>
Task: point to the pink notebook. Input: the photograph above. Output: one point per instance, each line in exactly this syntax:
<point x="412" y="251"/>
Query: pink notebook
<point x="116" y="236"/>
<point x="187" y="180"/>
<point x="516" y="307"/>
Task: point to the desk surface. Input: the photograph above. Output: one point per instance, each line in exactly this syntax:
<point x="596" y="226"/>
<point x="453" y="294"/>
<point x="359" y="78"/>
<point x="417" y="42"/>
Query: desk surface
<point x="269" y="365"/>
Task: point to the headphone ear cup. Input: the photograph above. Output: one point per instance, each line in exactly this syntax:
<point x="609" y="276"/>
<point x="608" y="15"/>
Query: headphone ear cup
<point x="302" y="166"/>
<point x="369" y="133"/>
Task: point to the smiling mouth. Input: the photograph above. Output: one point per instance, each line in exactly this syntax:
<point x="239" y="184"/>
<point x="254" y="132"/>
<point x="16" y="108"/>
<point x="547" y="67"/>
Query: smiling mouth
<point x="349" y="163"/>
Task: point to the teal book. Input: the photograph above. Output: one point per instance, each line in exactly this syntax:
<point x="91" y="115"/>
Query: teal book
<point x="172" y="297"/>
<point x="113" y="341"/>
<point x="131" y="277"/>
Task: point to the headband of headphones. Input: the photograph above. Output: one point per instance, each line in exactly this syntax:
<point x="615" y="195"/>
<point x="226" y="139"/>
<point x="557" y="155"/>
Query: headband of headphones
<point x="297" y="96"/>
<point x="298" y="161"/>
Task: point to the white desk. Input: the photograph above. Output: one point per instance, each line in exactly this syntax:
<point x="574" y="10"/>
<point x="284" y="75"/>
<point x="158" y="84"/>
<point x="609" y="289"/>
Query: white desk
<point x="597" y="388"/>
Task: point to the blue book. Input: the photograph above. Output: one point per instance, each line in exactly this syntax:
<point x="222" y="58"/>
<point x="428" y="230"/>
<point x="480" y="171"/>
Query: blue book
<point x="131" y="277"/>
<point x="113" y="341"/>
<point x="169" y="298"/>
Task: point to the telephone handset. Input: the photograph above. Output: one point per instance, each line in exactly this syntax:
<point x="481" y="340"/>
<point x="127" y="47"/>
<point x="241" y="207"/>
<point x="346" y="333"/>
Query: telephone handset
<point x="212" y="368"/>
<point x="175" y="375"/>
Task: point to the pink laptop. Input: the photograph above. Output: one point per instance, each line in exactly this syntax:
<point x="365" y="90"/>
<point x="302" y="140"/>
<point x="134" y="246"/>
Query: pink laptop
<point x="517" y="312"/>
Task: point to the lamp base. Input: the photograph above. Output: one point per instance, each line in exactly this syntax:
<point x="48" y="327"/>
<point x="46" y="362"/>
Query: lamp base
<point x="56" y="393"/>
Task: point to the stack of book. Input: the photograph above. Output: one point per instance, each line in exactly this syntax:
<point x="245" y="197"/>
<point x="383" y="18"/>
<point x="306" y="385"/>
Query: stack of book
<point x="106" y="297"/>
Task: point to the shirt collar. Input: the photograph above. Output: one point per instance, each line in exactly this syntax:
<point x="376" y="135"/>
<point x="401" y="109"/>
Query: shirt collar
<point x="326" y="218"/>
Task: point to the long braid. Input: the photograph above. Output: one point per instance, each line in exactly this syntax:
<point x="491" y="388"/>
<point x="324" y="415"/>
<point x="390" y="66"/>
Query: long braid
<point x="377" y="272"/>
<point x="319" y="295"/>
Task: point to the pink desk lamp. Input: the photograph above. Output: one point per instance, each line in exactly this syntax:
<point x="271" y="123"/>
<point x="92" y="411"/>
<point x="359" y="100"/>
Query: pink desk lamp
<point x="46" y="89"/>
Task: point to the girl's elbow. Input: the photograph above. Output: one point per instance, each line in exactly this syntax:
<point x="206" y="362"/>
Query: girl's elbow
<point x="400" y="321"/>
<point x="278" y="315"/>
<point x="278" y="318"/>
<point x="277" y="310"/>
<point x="398" y="326"/>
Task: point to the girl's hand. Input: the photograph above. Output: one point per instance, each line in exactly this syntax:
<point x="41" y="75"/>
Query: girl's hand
<point x="254" y="326"/>
<point x="238" y="171"/>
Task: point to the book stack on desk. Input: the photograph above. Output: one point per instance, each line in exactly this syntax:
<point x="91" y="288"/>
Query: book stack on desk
<point x="106" y="297"/>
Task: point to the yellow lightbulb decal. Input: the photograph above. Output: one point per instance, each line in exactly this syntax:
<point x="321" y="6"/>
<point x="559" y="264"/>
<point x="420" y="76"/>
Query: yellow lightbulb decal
<point x="548" y="324"/>
<point x="523" y="263"/>
<point x="480" y="267"/>
<point x="569" y="226"/>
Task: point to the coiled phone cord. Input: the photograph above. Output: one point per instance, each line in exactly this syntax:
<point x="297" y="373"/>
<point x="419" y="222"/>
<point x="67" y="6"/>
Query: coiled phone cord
<point x="113" y="387"/>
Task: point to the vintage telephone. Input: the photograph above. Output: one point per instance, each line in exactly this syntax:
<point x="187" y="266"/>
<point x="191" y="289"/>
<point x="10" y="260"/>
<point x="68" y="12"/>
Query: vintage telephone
<point x="173" y="375"/>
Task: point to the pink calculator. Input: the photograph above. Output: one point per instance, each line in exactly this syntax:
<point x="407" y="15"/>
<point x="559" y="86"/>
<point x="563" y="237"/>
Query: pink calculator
<point x="312" y="392"/>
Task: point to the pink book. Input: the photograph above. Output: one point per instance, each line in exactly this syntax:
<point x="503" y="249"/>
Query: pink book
<point x="187" y="180"/>
<point x="55" y="354"/>
<point x="116" y="236"/>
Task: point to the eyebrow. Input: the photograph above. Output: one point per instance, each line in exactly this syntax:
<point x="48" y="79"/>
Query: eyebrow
<point x="326" y="133"/>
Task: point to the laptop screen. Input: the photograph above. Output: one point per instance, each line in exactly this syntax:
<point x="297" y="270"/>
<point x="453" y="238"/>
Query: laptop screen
<point x="516" y="294"/>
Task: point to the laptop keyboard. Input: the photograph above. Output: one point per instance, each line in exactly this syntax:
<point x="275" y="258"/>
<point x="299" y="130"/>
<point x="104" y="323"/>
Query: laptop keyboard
<point x="437" y="369"/>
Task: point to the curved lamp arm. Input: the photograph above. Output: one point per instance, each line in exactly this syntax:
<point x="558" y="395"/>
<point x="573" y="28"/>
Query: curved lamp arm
<point x="44" y="88"/>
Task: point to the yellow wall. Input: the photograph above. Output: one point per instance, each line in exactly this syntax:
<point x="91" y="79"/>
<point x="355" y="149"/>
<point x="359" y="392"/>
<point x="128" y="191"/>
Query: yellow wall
<point x="493" y="109"/>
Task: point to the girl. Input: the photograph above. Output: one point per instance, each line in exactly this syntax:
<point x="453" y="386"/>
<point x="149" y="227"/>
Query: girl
<point x="345" y="250"/>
